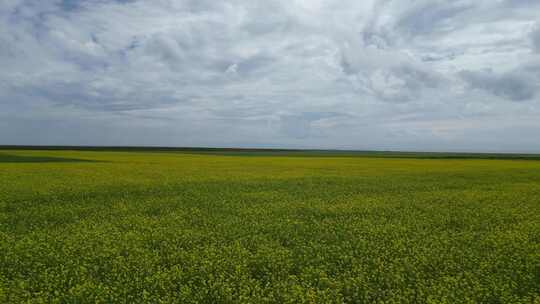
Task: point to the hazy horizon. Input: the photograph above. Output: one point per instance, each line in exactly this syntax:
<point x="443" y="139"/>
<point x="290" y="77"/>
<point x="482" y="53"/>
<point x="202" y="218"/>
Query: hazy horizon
<point x="428" y="75"/>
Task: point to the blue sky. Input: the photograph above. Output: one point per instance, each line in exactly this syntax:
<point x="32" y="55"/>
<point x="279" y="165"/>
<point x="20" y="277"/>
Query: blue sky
<point x="457" y="75"/>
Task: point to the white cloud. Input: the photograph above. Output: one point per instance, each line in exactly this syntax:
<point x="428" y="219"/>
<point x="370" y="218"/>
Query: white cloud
<point x="256" y="73"/>
<point x="535" y="38"/>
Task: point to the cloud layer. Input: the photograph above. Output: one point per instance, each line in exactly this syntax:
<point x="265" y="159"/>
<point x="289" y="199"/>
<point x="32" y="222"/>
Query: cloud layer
<point x="428" y="75"/>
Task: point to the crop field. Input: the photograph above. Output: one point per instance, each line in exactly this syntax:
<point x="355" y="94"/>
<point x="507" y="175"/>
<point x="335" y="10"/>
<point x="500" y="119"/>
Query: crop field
<point x="255" y="227"/>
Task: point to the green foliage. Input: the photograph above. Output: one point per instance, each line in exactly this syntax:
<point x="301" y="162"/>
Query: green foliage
<point x="139" y="227"/>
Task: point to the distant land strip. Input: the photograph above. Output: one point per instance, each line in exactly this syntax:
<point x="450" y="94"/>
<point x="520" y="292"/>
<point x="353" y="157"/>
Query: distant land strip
<point x="285" y="152"/>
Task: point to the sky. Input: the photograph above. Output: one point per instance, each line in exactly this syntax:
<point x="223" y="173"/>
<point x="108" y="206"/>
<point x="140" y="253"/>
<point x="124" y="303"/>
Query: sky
<point x="424" y="75"/>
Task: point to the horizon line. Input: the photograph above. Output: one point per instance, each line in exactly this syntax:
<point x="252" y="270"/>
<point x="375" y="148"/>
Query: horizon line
<point x="243" y="149"/>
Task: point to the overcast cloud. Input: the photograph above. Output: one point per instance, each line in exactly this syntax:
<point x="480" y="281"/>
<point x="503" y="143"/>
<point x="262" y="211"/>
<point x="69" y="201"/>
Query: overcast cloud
<point x="460" y="75"/>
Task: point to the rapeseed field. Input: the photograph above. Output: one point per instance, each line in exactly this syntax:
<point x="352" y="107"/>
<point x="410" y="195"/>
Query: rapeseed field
<point x="149" y="227"/>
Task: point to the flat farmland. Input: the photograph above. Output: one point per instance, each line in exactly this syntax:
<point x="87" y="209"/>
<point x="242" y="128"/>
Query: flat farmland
<point x="268" y="227"/>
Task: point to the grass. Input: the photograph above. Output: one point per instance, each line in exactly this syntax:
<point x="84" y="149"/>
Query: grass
<point x="220" y="227"/>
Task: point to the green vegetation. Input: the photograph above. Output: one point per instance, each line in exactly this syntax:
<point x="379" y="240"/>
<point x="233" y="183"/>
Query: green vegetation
<point x="171" y="227"/>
